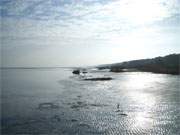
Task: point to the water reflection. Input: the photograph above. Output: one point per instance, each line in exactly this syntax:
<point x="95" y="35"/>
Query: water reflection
<point x="144" y="104"/>
<point x="142" y="99"/>
<point x="132" y="103"/>
<point x="140" y="81"/>
<point x="143" y="120"/>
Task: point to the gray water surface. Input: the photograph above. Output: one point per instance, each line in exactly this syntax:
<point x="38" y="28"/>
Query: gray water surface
<point x="53" y="101"/>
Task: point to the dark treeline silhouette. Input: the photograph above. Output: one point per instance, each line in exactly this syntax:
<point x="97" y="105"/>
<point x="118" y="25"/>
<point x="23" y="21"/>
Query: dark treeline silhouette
<point x="169" y="64"/>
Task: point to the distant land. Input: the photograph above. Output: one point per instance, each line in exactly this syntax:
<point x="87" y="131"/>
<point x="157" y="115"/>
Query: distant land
<point x="169" y="64"/>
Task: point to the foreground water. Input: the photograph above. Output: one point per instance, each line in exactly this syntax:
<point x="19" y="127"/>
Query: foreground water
<point x="53" y="101"/>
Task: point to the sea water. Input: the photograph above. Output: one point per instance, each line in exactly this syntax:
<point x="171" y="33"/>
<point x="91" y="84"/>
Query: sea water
<point x="54" y="101"/>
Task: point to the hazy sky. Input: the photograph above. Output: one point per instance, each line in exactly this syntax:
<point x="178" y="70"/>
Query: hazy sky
<point x="87" y="32"/>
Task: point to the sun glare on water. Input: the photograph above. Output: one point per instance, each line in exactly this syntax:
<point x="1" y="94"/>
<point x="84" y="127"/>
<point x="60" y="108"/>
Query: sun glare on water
<point x="143" y="98"/>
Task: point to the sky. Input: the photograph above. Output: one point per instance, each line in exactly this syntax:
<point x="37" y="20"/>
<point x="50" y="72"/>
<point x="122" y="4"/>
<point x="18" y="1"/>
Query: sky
<point x="37" y="33"/>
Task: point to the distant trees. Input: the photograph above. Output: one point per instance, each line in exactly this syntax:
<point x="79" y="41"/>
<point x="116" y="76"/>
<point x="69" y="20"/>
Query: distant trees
<point x="169" y="64"/>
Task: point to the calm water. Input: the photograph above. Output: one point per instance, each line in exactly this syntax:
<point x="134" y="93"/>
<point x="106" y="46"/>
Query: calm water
<point x="53" y="101"/>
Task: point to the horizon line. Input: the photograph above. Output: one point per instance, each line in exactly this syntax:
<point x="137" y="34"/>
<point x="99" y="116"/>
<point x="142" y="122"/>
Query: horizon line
<point x="40" y="67"/>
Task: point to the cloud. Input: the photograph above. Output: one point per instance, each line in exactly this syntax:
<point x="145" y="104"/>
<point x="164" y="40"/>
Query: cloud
<point x="116" y="25"/>
<point x="83" y="17"/>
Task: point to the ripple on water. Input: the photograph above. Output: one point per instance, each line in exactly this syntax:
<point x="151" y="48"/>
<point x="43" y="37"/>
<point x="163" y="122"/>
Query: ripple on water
<point x="48" y="105"/>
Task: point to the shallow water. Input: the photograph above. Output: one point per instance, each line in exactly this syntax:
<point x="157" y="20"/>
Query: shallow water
<point x="53" y="101"/>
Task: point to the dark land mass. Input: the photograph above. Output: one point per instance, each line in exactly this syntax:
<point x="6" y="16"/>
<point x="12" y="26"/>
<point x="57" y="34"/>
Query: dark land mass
<point x="169" y="64"/>
<point x="98" y="79"/>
